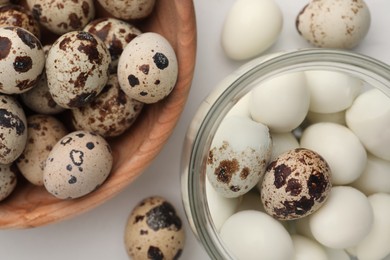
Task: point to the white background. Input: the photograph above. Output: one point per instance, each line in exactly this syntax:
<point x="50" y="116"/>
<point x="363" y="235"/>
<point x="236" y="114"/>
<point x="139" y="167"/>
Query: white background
<point x="98" y="234"/>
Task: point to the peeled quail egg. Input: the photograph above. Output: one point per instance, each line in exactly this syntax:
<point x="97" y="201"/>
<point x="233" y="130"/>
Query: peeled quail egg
<point x="296" y="184"/>
<point x="334" y="23"/>
<point x="77" y="68"/>
<point x="369" y="119"/>
<point x="305" y="248"/>
<point x="238" y="156"/>
<point x="244" y="35"/>
<point x="281" y="102"/>
<point x="13" y="129"/>
<point x="154" y="231"/>
<point x="147" y="68"/>
<point x="344" y="220"/>
<point x="43" y="132"/>
<point x="253" y="235"/>
<point x="22" y="60"/>
<point x="340" y="147"/>
<point x="77" y="165"/>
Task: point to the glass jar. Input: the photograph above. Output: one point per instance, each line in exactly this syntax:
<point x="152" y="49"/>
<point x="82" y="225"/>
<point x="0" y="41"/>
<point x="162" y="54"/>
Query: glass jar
<point x="213" y="109"/>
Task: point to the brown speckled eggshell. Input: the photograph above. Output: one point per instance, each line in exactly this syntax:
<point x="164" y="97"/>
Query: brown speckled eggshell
<point x="8" y="181"/>
<point x="39" y="99"/>
<point x="43" y="133"/>
<point x="128" y="9"/>
<point x="77" y="165"/>
<point x="154" y="231"/>
<point x="115" y="33"/>
<point x="22" y="60"/>
<point x="62" y="16"/>
<point x="147" y="68"/>
<point x="13" y="129"/>
<point x="110" y="114"/>
<point x="77" y="68"/>
<point x="16" y="15"/>
<point x="295" y="184"/>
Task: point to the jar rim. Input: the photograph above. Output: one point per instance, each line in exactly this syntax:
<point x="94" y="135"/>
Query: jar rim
<point x="222" y="99"/>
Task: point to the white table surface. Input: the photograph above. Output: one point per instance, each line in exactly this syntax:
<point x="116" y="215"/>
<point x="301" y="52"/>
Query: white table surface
<point x="98" y="234"/>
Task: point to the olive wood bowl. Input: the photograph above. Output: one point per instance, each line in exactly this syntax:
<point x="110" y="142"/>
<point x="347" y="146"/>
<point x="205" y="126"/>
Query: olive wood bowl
<point x="32" y="206"/>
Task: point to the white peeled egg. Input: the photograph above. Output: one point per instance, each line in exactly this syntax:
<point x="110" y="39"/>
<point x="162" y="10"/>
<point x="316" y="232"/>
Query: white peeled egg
<point x="220" y="208"/>
<point x="376" y="245"/>
<point x="282" y="142"/>
<point x="344" y="220"/>
<point x="241" y="108"/>
<point x="281" y="103"/>
<point x="238" y="155"/>
<point x="369" y="119"/>
<point x="253" y="235"/>
<point x="337" y="254"/>
<point x="375" y="177"/>
<point x="331" y="91"/>
<point x="340" y="147"/>
<point x="305" y="249"/>
<point x="251" y="27"/>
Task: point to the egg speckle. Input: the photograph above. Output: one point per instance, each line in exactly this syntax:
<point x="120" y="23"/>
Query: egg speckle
<point x="154" y="230"/>
<point x="22" y="60"/>
<point x="333" y="23"/>
<point x="296" y="184"/>
<point x="77" y="68"/>
<point x="8" y="181"/>
<point x="147" y="68"/>
<point x="13" y="129"/>
<point x="77" y="165"/>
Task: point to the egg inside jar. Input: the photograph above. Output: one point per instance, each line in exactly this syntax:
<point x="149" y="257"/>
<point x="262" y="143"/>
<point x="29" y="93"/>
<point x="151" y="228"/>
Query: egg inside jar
<point x="67" y="63"/>
<point x="322" y="132"/>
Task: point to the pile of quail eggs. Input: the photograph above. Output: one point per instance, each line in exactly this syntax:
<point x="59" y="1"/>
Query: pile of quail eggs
<point x="299" y="167"/>
<point x="69" y="81"/>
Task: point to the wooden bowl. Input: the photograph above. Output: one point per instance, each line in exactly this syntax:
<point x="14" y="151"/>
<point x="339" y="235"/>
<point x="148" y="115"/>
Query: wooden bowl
<point x="32" y="206"/>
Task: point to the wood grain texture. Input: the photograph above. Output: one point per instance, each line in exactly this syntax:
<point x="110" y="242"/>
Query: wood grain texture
<point x="31" y="206"/>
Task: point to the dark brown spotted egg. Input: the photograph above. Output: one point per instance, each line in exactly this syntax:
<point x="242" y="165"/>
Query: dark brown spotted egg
<point x="147" y="68"/>
<point x="39" y="99"/>
<point x="77" y="165"/>
<point x="116" y="34"/>
<point x="43" y="132"/>
<point x="22" y="60"/>
<point x="110" y="114"/>
<point x="13" y="129"/>
<point x="62" y="16"/>
<point x="295" y="184"/>
<point x="154" y="231"/>
<point x="128" y="9"/>
<point x="8" y="180"/>
<point x="77" y="68"/>
<point x="16" y="15"/>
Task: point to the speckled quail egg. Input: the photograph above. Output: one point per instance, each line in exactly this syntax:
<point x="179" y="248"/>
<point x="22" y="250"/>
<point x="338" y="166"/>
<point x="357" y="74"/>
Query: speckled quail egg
<point x="296" y="184"/>
<point x="62" y="16"/>
<point x="154" y="231"/>
<point x="8" y="180"/>
<point x="77" y="165"/>
<point x="22" y="60"/>
<point x="110" y="113"/>
<point x="334" y="23"/>
<point x="77" y="68"/>
<point x="39" y="99"/>
<point x="238" y="156"/>
<point x="16" y="15"/>
<point x="147" y="68"/>
<point x="116" y="34"/>
<point x="128" y="9"/>
<point x="43" y="132"/>
<point x="13" y="129"/>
